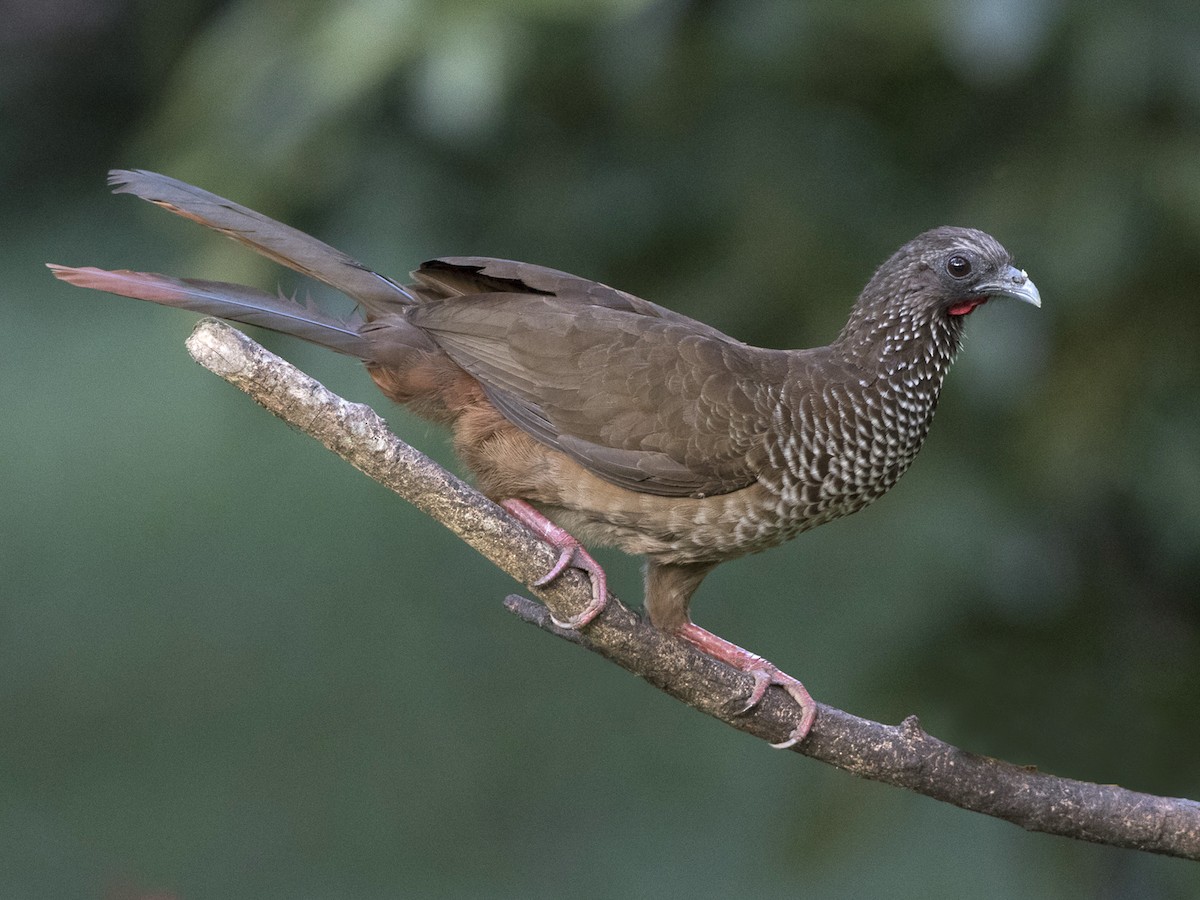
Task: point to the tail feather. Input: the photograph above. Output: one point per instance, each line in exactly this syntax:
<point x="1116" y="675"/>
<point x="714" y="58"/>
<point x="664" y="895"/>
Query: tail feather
<point x="281" y="243"/>
<point x="227" y="301"/>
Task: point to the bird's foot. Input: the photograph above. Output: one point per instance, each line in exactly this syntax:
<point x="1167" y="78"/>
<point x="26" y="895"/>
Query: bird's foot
<point x="571" y="555"/>
<point x="764" y="673"/>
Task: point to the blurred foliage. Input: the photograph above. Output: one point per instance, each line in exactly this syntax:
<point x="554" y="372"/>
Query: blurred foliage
<point x="232" y="667"/>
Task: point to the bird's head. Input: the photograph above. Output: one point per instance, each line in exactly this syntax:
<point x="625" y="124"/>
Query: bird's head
<point x="928" y="286"/>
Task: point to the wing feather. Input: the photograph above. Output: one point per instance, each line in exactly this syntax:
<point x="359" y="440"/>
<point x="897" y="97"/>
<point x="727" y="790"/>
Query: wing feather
<point x="657" y="404"/>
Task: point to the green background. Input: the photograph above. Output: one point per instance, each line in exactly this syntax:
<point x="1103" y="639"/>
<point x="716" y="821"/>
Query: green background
<point x="230" y="666"/>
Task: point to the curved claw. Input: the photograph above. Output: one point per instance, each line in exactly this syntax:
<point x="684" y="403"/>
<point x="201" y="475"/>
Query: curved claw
<point x="798" y="692"/>
<point x="808" y="712"/>
<point x="571" y="555"/>
<point x="762" y="681"/>
<point x="578" y="558"/>
<point x="764" y="673"/>
<point x="565" y="557"/>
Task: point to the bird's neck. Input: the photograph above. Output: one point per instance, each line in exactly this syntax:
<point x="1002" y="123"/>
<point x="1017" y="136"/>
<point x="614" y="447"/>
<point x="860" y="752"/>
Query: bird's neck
<point x="850" y="427"/>
<point x="900" y="342"/>
<point x="901" y="357"/>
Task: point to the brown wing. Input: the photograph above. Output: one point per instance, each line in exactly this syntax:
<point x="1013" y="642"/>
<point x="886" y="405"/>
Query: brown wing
<point x="455" y="276"/>
<point x="645" y="398"/>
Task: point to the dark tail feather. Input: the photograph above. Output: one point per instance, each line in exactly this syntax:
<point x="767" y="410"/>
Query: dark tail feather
<point x="276" y="241"/>
<point x="227" y="301"/>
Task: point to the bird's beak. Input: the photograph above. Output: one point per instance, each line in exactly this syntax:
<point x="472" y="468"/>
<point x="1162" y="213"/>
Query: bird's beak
<point x="1013" y="283"/>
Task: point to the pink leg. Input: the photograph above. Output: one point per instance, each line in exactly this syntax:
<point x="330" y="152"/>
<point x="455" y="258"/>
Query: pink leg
<point x="571" y="554"/>
<point x="764" y="673"/>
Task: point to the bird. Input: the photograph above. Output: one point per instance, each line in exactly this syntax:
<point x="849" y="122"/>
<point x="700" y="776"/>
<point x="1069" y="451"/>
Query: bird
<point x="595" y="416"/>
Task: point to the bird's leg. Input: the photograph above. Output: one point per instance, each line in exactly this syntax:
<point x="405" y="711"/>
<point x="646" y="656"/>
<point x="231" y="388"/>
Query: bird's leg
<point x="765" y="674"/>
<point x="571" y="554"/>
<point x="669" y="589"/>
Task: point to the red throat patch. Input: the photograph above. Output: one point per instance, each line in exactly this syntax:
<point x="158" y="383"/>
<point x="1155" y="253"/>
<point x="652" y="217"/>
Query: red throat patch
<point x="965" y="306"/>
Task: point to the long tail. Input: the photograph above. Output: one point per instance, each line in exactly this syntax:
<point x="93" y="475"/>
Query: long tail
<point x="227" y="301"/>
<point x="276" y="241"/>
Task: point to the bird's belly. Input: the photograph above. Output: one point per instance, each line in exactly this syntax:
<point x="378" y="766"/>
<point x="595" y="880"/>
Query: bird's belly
<point x="678" y="529"/>
<point x="681" y="530"/>
<point x="684" y="530"/>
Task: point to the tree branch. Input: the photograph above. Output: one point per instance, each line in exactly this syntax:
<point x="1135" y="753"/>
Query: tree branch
<point x="902" y="755"/>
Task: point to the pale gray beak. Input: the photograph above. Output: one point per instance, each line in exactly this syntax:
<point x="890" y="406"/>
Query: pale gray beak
<point x="1014" y="283"/>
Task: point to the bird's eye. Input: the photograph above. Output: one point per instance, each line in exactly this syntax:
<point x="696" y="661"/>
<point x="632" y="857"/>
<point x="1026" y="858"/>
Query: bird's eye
<point x="958" y="266"/>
